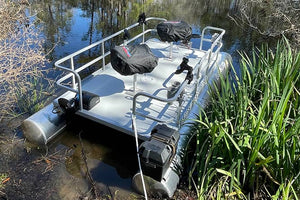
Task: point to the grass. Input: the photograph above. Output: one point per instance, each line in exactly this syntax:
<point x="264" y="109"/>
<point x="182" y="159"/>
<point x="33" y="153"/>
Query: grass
<point x="24" y="85"/>
<point x="34" y="97"/>
<point x="248" y="140"/>
<point x="3" y="179"/>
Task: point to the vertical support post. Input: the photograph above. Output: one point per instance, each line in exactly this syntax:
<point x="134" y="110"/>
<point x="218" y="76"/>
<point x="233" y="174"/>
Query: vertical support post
<point x="197" y="80"/>
<point x="103" y="58"/>
<point x="202" y="39"/>
<point x="143" y="33"/>
<point x="80" y="96"/>
<point x="209" y="57"/>
<point x="201" y="42"/>
<point x="180" y="101"/>
<point x="171" y="51"/>
<point x="134" y="83"/>
<point x="73" y="76"/>
<point x="178" y="115"/>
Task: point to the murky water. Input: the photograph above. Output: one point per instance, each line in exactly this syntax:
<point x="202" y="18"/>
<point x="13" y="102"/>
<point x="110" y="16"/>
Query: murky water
<point x="110" y="155"/>
<point x="71" y="25"/>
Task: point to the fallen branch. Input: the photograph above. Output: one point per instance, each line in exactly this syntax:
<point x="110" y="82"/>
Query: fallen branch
<point x="6" y="180"/>
<point x="269" y="18"/>
<point x="50" y="160"/>
<point x="94" y="187"/>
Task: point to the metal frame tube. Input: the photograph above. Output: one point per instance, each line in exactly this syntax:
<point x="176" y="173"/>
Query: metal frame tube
<point x="150" y="96"/>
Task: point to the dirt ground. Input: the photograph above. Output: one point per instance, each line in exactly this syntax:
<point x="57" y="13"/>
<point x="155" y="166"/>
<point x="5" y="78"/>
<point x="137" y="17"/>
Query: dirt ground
<point x="30" y="172"/>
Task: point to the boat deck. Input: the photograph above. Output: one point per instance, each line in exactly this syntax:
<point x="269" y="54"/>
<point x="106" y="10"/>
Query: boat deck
<point x="116" y="95"/>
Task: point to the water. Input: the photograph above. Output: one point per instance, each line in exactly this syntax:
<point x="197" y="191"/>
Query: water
<point x="111" y="155"/>
<point x="71" y="25"/>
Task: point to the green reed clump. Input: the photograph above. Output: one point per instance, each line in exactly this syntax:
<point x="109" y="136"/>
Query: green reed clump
<point x="248" y="140"/>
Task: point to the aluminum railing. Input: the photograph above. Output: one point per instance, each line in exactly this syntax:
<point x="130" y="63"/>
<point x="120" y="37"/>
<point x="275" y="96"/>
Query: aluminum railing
<point x="74" y="73"/>
<point x="150" y="96"/>
<point x="215" y="39"/>
<point x="206" y="62"/>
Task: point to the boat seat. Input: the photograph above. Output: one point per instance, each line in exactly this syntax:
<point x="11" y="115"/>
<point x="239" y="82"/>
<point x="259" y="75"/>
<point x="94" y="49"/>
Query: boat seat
<point x="173" y="31"/>
<point x="133" y="59"/>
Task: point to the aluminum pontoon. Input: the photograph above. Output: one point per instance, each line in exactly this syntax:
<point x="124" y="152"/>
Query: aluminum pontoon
<point x="140" y="105"/>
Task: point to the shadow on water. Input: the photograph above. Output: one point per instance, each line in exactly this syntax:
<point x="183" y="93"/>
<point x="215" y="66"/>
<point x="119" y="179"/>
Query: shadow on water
<point x="111" y="156"/>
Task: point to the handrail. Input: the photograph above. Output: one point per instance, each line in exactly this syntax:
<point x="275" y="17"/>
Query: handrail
<point x="74" y="73"/>
<point x="166" y="100"/>
<point x="208" y="55"/>
<point x="93" y="45"/>
<point x="216" y="41"/>
<point x="79" y="91"/>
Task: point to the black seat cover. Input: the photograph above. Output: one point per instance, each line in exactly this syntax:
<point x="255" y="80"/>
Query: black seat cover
<point x="173" y="31"/>
<point x="129" y="60"/>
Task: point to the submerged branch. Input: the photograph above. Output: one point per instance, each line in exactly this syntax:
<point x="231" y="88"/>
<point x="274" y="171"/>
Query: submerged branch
<point x="90" y="178"/>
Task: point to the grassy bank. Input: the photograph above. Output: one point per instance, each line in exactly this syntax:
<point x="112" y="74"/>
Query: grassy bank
<point x="248" y="140"/>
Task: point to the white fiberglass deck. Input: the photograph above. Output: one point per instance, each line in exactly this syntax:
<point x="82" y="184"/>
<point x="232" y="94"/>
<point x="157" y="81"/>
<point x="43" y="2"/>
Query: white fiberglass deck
<point x="115" y="91"/>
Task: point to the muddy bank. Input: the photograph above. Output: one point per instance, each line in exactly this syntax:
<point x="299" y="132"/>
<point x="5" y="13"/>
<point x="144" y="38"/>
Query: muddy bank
<point x="41" y="173"/>
<point x="59" y="171"/>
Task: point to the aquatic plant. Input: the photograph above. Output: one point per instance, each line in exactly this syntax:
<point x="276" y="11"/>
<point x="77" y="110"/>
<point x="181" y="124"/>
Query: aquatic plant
<point x="22" y="62"/>
<point x="248" y="140"/>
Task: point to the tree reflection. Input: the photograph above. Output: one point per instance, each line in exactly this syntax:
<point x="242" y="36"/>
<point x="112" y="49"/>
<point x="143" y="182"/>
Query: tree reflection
<point x="105" y="17"/>
<point x="55" y="18"/>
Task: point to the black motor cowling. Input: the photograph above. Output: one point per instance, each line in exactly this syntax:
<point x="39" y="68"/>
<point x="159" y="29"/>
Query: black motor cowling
<point x="173" y="31"/>
<point x="129" y="60"/>
<point x="158" y="152"/>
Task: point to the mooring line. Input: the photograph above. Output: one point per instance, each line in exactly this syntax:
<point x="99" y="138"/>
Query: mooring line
<point x="138" y="155"/>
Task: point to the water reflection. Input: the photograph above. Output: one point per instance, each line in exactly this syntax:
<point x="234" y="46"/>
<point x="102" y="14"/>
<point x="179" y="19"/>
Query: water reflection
<point x="75" y="24"/>
<point x="72" y="25"/>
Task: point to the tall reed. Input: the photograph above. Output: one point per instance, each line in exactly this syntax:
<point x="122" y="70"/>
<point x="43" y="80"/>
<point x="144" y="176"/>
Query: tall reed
<point x="248" y="140"/>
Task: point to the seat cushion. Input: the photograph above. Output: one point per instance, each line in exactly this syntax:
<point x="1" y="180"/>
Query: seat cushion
<point x="129" y="60"/>
<point x="173" y="31"/>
